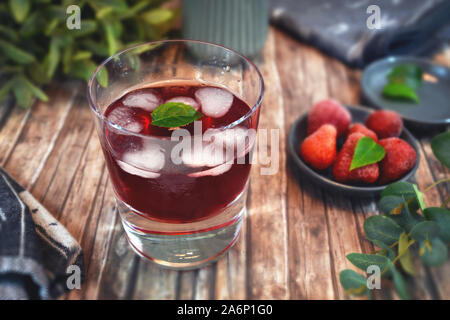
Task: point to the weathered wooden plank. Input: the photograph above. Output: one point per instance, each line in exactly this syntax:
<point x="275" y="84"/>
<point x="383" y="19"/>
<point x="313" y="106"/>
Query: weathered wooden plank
<point x="303" y="82"/>
<point x="11" y="131"/>
<point x="268" y="265"/>
<point x="97" y="239"/>
<point x="38" y="137"/>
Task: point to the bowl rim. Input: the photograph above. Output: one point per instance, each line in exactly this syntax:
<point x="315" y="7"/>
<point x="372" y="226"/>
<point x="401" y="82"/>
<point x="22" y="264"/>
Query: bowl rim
<point x="338" y="185"/>
<point x="395" y="60"/>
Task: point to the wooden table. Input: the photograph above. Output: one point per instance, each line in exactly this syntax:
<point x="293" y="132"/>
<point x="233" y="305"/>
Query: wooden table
<point x="295" y="236"/>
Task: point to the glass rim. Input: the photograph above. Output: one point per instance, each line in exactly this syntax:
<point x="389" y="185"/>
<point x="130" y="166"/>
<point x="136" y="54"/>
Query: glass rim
<point x="233" y="124"/>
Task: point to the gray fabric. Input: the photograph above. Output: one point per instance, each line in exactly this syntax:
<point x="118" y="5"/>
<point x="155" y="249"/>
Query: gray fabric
<point x="339" y="27"/>
<point x="35" y="249"/>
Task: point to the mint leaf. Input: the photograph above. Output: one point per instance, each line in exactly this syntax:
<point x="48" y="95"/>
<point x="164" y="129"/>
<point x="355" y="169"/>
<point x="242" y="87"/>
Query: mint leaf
<point x="408" y="74"/>
<point x="403" y="82"/>
<point x="174" y="114"/>
<point x="396" y="90"/>
<point x="367" y="151"/>
<point x="440" y="145"/>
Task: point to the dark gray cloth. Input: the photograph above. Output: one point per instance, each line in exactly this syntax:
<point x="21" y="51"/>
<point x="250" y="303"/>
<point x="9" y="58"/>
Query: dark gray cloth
<point x="339" y="27"/>
<point x="35" y="249"/>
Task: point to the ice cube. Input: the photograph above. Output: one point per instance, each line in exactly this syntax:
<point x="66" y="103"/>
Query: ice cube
<point x="137" y="172"/>
<point x="209" y="155"/>
<point x="145" y="100"/>
<point x="145" y="162"/>
<point x="186" y="100"/>
<point x="123" y="117"/>
<point x="239" y="138"/>
<point x="212" y="172"/>
<point x="215" y="102"/>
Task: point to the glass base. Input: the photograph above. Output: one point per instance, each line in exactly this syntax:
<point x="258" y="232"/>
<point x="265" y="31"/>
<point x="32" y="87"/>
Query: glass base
<point x="184" y="246"/>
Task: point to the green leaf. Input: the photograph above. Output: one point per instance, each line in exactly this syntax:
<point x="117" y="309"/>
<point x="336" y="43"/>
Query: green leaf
<point x="83" y="69"/>
<point x="19" y="9"/>
<point x="87" y="27"/>
<point x="98" y="48"/>
<point x="408" y="73"/>
<point x="157" y="16"/>
<point x="400" y="91"/>
<point x="391" y="204"/>
<point x="440" y="145"/>
<point x="102" y="77"/>
<point x="363" y="261"/>
<point x="110" y="38"/>
<point x="35" y="90"/>
<point x="383" y="229"/>
<point x="407" y="220"/>
<point x="23" y="94"/>
<point x="367" y="151"/>
<point x="16" y="54"/>
<point x="405" y="254"/>
<point x="433" y="252"/>
<point x="425" y="230"/>
<point x="405" y="190"/>
<point x="353" y="283"/>
<point x="6" y="88"/>
<point x="399" y="283"/>
<point x="52" y="58"/>
<point x="385" y="249"/>
<point x="9" y="32"/>
<point x="419" y="197"/>
<point x="442" y="217"/>
<point x="174" y="114"/>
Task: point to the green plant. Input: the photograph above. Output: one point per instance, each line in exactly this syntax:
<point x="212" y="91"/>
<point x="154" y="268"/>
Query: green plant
<point x="406" y="227"/>
<point x="36" y="44"/>
<point x="403" y="82"/>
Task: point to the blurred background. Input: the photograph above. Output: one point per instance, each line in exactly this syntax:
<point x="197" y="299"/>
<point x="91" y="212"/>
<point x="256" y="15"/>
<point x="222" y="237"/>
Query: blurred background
<point x="44" y="39"/>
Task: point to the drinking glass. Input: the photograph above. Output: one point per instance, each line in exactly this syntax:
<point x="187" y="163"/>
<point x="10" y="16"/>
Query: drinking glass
<point x="175" y="216"/>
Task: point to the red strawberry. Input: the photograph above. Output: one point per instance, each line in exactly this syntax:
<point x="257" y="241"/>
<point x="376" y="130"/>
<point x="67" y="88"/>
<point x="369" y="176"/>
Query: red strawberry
<point x="385" y="123"/>
<point x="399" y="159"/>
<point x="329" y="112"/>
<point x="319" y="149"/>
<point x="341" y="167"/>
<point x="359" y="127"/>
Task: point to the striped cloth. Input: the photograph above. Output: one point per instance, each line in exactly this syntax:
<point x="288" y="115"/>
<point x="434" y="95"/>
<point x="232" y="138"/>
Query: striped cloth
<point x="39" y="259"/>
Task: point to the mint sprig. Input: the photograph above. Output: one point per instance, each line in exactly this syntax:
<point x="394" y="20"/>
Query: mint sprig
<point x="367" y="151"/>
<point x="403" y="81"/>
<point x="174" y="114"/>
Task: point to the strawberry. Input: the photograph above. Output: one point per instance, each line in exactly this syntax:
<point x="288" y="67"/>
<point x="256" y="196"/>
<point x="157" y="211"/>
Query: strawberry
<point x="359" y="127"/>
<point x="329" y="112"/>
<point x="341" y="167"/>
<point x="385" y="123"/>
<point x="399" y="159"/>
<point x="319" y="149"/>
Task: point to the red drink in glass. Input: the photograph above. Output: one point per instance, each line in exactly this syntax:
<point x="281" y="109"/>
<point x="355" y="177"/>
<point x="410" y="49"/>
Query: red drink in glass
<point x="189" y="193"/>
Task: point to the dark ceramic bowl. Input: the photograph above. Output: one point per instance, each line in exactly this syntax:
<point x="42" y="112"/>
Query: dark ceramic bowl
<point x="434" y="94"/>
<point x="324" y="178"/>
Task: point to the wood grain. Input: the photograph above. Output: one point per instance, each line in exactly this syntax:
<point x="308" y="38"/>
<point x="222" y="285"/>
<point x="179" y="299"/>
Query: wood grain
<point x="295" y="236"/>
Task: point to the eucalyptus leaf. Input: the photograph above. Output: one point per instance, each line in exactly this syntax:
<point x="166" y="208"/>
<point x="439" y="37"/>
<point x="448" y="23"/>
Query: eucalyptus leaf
<point x="405" y="254"/>
<point x="440" y="145"/>
<point x="353" y="283"/>
<point x="442" y="217"/>
<point x="425" y="230"/>
<point x="363" y="261"/>
<point x="382" y="228"/>
<point x="433" y="252"/>
<point x="405" y="190"/>
<point x="399" y="283"/>
<point x="385" y="249"/>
